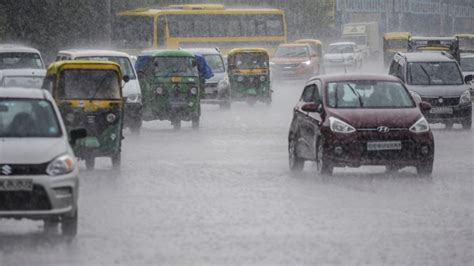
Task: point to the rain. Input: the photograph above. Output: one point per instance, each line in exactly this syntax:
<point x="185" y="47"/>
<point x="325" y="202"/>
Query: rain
<point x="269" y="132"/>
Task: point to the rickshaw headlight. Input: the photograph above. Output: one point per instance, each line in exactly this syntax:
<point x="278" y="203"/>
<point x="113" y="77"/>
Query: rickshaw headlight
<point x="111" y="118"/>
<point x="159" y="90"/>
<point x="262" y="78"/>
<point x="240" y="79"/>
<point x="134" y="98"/>
<point x="194" y="90"/>
<point x="61" y="165"/>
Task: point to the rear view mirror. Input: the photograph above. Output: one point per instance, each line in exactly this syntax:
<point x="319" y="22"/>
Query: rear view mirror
<point x="126" y="78"/>
<point x="311" y="107"/>
<point x="76" y="134"/>
<point x="468" y="79"/>
<point x="425" y="106"/>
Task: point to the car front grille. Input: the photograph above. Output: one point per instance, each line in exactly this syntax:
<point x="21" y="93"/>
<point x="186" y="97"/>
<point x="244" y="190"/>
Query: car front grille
<point x="23" y="169"/>
<point x="37" y="199"/>
<point x="441" y="101"/>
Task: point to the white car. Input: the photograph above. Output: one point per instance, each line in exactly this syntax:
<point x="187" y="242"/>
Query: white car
<point x="131" y="90"/>
<point x="38" y="170"/>
<point x="24" y="77"/>
<point x="343" y="55"/>
<point x="467" y="66"/>
<point x="17" y="56"/>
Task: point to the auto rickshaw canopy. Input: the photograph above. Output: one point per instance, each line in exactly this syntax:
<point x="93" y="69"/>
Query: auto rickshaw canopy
<point x="235" y="51"/>
<point x="56" y="67"/>
<point x="401" y="35"/>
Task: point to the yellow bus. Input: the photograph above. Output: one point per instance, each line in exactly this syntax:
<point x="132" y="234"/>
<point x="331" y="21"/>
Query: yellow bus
<point x="199" y="26"/>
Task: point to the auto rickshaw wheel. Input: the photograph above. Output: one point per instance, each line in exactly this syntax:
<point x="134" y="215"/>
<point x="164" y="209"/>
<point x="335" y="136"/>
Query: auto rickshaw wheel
<point x="176" y="124"/>
<point x="116" y="160"/>
<point x="195" y="123"/>
<point x="90" y="163"/>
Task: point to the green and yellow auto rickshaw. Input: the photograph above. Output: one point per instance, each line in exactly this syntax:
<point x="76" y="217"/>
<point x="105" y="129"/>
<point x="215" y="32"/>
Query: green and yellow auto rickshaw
<point x="171" y="86"/>
<point x="89" y="95"/>
<point x="249" y="75"/>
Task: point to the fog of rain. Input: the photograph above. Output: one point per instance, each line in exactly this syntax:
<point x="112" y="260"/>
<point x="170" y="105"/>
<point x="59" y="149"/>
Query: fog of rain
<point x="269" y="132"/>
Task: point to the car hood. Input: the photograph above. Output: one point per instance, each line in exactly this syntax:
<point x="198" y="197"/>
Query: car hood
<point x="373" y="118"/>
<point x="436" y="90"/>
<point x="31" y="150"/>
<point x="131" y="87"/>
<point x="217" y="77"/>
<point x="289" y="60"/>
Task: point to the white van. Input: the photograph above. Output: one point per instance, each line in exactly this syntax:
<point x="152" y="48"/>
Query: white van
<point x="17" y="56"/>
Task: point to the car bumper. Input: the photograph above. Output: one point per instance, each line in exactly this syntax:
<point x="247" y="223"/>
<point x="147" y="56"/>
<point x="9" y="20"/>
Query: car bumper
<point x="214" y="95"/>
<point x="353" y="150"/>
<point x="52" y="197"/>
<point x="459" y="114"/>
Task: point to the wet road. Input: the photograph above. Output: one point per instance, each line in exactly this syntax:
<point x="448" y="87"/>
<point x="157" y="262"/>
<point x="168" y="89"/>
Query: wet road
<point x="223" y="195"/>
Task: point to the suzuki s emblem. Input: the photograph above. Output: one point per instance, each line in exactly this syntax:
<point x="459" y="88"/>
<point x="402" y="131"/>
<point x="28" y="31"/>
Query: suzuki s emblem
<point x="440" y="100"/>
<point x="383" y="129"/>
<point x="6" y="170"/>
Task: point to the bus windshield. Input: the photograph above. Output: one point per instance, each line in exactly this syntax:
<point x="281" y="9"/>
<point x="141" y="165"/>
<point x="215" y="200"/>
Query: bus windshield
<point x="175" y="67"/>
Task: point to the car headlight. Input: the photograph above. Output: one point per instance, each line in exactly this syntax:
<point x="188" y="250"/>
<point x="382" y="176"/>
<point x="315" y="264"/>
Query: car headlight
<point x="465" y="97"/>
<point x="61" y="165"/>
<point x="420" y="126"/>
<point x="416" y="97"/>
<point x="340" y="126"/>
<point x="307" y="63"/>
<point x="240" y="79"/>
<point x="262" y="78"/>
<point x="111" y="118"/>
<point x="194" y="90"/>
<point x="134" y="98"/>
<point x="159" y="90"/>
<point x="223" y="84"/>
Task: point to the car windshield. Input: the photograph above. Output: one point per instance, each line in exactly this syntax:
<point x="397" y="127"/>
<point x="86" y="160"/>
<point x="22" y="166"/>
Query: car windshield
<point x="368" y="94"/>
<point x="22" y="81"/>
<point x="251" y="60"/>
<point x="396" y="44"/>
<point x="297" y="51"/>
<point x="89" y="84"/>
<point x="467" y="63"/>
<point x="175" y="67"/>
<point x="20" y="60"/>
<point x="124" y="63"/>
<point x="215" y="62"/>
<point x="359" y="40"/>
<point x="33" y="118"/>
<point x="339" y="49"/>
<point x="434" y="73"/>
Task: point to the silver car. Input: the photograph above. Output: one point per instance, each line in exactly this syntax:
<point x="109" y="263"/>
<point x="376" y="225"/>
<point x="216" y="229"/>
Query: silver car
<point x="38" y="170"/>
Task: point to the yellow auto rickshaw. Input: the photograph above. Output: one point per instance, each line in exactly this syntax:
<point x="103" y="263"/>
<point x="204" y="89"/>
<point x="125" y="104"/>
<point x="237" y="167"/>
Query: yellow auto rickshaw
<point x="89" y="95"/>
<point x="394" y="42"/>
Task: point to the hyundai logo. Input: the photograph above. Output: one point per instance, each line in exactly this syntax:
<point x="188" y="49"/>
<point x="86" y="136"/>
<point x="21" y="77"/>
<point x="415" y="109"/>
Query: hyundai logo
<point x="6" y="170"/>
<point x="383" y="129"/>
<point x="440" y="100"/>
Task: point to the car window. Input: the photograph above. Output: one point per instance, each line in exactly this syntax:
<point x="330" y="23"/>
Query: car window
<point x="338" y="49"/>
<point x="20" y="60"/>
<point x="368" y="94"/>
<point x="308" y="93"/>
<point x="467" y="64"/>
<point x="434" y="73"/>
<point x="215" y="62"/>
<point x="28" y="118"/>
<point x="297" y="51"/>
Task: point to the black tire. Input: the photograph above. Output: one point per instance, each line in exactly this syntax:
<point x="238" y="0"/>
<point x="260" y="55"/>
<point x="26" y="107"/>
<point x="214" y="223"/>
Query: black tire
<point x="195" y="123"/>
<point x="448" y="125"/>
<point x="425" y="169"/>
<point x="467" y="124"/>
<point x="116" y="160"/>
<point x="90" y="163"/>
<point x="296" y="164"/>
<point x="323" y="164"/>
<point x="69" y="226"/>
<point x="177" y="124"/>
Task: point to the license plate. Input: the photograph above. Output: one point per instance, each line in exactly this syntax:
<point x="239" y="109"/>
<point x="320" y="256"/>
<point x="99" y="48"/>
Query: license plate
<point x="178" y="104"/>
<point x="209" y="90"/>
<point x="441" y="110"/>
<point x="16" y="185"/>
<point x="384" y="145"/>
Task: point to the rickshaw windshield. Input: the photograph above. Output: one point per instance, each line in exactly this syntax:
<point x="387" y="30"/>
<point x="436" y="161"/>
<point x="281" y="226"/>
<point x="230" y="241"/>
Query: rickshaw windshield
<point x="251" y="60"/>
<point x="89" y="84"/>
<point x="175" y="67"/>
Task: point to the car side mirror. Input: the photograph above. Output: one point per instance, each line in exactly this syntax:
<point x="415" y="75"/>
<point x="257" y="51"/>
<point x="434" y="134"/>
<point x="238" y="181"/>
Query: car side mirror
<point x="468" y="78"/>
<point x="311" y="107"/>
<point x="425" y="106"/>
<point x="126" y="78"/>
<point x="76" y="134"/>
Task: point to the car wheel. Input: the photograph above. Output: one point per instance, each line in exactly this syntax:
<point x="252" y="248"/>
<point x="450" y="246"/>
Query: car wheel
<point x="177" y="124"/>
<point x="69" y="226"/>
<point x="425" y="169"/>
<point x="116" y="160"/>
<point x="448" y="125"/>
<point x="90" y="163"/>
<point x="296" y="163"/>
<point x="195" y="123"/>
<point x="323" y="164"/>
<point x="467" y="124"/>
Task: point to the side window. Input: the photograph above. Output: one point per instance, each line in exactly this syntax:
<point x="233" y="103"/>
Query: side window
<point x="399" y="73"/>
<point x="318" y="98"/>
<point x="394" y="66"/>
<point x="308" y="93"/>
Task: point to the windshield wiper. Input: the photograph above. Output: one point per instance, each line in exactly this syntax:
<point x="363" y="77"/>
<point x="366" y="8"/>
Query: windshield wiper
<point x="356" y="93"/>
<point x="98" y="87"/>
<point x="426" y="73"/>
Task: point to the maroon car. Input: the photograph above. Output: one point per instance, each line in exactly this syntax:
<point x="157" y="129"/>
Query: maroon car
<point x="353" y="120"/>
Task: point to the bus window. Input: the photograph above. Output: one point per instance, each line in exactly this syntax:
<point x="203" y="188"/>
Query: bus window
<point x="133" y="32"/>
<point x="161" y="31"/>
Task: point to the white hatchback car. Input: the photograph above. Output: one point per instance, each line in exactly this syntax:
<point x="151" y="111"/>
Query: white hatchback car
<point x="38" y="170"/>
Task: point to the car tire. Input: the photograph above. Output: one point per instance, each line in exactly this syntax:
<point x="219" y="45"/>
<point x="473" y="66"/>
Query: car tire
<point x="323" y="164"/>
<point x="195" y="123"/>
<point x="425" y="169"/>
<point x="116" y="160"/>
<point x="176" y="124"/>
<point x="296" y="164"/>
<point x="467" y="124"/>
<point x="90" y="163"/>
<point x="69" y="226"/>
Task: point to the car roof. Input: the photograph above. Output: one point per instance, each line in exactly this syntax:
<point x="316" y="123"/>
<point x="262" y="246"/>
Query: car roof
<point x="202" y="50"/>
<point x="354" y="76"/>
<point x="427" y="57"/>
<point x="23" y="72"/>
<point x="24" y="93"/>
<point x="342" y="43"/>
<point x="93" y="52"/>
<point x="13" y="48"/>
